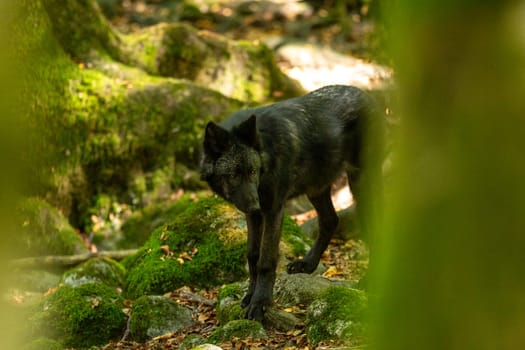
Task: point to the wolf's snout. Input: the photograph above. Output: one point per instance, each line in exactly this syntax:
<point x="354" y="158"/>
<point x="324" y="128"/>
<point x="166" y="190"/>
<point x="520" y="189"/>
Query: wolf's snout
<point x="249" y="207"/>
<point x="254" y="209"/>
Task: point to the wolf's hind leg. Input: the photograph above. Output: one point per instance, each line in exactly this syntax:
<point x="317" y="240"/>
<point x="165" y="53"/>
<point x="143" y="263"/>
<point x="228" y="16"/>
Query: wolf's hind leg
<point x="328" y="221"/>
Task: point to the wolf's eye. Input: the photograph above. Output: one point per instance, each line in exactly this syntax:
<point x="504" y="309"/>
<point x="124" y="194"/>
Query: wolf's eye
<point x="253" y="172"/>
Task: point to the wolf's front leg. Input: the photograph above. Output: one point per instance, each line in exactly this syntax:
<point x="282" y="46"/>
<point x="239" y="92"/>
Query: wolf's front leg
<point x="262" y="296"/>
<point x="255" y="229"/>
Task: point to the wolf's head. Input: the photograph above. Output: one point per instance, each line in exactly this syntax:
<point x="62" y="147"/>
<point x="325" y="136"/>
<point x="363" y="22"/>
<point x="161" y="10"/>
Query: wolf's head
<point x="232" y="163"/>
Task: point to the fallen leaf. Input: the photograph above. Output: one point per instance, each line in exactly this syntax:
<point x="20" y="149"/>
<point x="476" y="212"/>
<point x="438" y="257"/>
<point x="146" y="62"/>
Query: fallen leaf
<point x="165" y="249"/>
<point x="185" y="256"/>
<point x="332" y="271"/>
<point x="95" y="303"/>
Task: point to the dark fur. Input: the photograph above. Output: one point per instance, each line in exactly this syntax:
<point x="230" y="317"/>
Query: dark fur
<point x="258" y="158"/>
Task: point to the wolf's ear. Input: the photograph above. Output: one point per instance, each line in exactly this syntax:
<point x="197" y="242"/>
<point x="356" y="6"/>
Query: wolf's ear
<point x="216" y="139"/>
<point x="247" y="132"/>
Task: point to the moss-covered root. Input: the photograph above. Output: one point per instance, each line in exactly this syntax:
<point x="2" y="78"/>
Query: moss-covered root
<point x="81" y="317"/>
<point x="121" y="130"/>
<point x="337" y="315"/>
<point x="81" y="28"/>
<point x="239" y="69"/>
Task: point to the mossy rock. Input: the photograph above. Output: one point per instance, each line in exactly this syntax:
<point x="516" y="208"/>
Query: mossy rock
<point x="43" y="344"/>
<point x="102" y="270"/>
<point x="229" y="302"/>
<point x="138" y="227"/>
<point x="302" y="288"/>
<point x="205" y="245"/>
<point x="295" y="242"/>
<point x="154" y="315"/>
<point x="243" y="70"/>
<point x="229" y="308"/>
<point x="44" y="231"/>
<point x="238" y="329"/>
<point x="90" y="314"/>
<point x="337" y="314"/>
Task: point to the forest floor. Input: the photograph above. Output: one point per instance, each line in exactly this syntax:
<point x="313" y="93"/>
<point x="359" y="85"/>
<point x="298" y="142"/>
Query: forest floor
<point x="338" y="259"/>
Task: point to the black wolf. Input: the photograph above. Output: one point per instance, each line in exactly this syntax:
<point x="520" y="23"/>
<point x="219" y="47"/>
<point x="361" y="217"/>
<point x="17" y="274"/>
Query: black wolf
<point x="258" y="158"/>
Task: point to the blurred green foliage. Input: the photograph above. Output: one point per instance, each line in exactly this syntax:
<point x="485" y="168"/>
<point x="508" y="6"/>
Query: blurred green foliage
<point x="450" y="270"/>
<point x="10" y="141"/>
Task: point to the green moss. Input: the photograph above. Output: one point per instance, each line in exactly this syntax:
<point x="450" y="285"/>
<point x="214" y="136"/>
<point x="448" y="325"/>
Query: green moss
<point x="239" y="69"/>
<point x="102" y="270"/>
<point x="139" y="226"/>
<point x="44" y="231"/>
<point x="239" y="329"/>
<point x="44" y="344"/>
<point x="84" y="33"/>
<point x="230" y="310"/>
<point x="98" y="117"/>
<point x="210" y="232"/>
<point x="191" y="341"/>
<point x="337" y="314"/>
<point x="233" y="290"/>
<point x="229" y="302"/>
<point x="45" y="71"/>
<point x="297" y="243"/>
<point x="154" y="315"/>
<point x="88" y="315"/>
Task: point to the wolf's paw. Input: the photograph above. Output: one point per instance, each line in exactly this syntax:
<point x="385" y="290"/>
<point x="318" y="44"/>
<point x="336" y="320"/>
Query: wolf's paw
<point x="300" y="266"/>
<point x="255" y="311"/>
